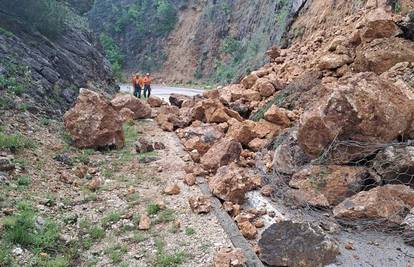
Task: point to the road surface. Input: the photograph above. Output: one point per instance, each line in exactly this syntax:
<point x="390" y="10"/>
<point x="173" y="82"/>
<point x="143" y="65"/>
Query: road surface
<point x="164" y="92"/>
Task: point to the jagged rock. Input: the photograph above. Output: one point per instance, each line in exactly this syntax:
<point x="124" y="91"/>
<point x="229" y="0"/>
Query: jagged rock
<point x="248" y="95"/>
<point x="172" y="189"/>
<point x="148" y="159"/>
<point x="379" y="29"/>
<point x="6" y="163"/>
<point x="264" y="87"/>
<point x="200" y="204"/>
<point x="212" y="94"/>
<point x="248" y="230"/>
<point x="230" y="184"/>
<point x="265" y="129"/>
<point x="249" y="81"/>
<point x="94" y="184"/>
<point x="221" y="153"/>
<point x="362" y="108"/>
<point x="141" y="109"/>
<point x="143" y="146"/>
<point x="242" y="132"/>
<point x="93" y="122"/>
<point x="144" y="222"/>
<point x="289" y="157"/>
<point x="228" y="257"/>
<point x="169" y="118"/>
<point x="154" y="102"/>
<point x="178" y="99"/>
<point x="159" y="146"/>
<point x="387" y="205"/>
<point x="381" y="54"/>
<point x="126" y="114"/>
<point x="278" y="116"/>
<point x="213" y="111"/>
<point x="395" y="164"/>
<point x="273" y="52"/>
<point x="266" y="191"/>
<point x="200" y="137"/>
<point x="325" y="186"/>
<point x="257" y="144"/>
<point x="333" y="61"/>
<point x="296" y="244"/>
<point x="240" y="107"/>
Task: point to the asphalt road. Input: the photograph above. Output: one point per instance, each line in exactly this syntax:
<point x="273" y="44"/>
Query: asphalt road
<point x="164" y="92"/>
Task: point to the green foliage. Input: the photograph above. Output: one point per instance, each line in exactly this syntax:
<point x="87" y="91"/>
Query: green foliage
<point x="112" y="217"/>
<point x="46" y="16"/>
<point x="164" y="258"/>
<point x="166" y="15"/>
<point x="189" y="231"/>
<point x="23" y="180"/>
<point x="153" y="208"/>
<point x="15" y="142"/>
<point x="5" y="255"/>
<point x="7" y="34"/>
<point x="113" y="53"/>
<point x="165" y="216"/>
<point x="116" y="252"/>
<point x="231" y="45"/>
<point x="17" y="78"/>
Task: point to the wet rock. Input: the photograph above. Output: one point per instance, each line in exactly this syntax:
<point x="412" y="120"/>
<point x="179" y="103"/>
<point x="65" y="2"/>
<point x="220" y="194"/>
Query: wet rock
<point x="229" y="184"/>
<point x="328" y="185"/>
<point x="221" y="153"/>
<point x="386" y="205"/>
<point x="349" y="114"/>
<point x="6" y="163"/>
<point x="140" y="109"/>
<point x="395" y="164"/>
<point x="228" y="257"/>
<point x="248" y="230"/>
<point x="289" y="157"/>
<point x="172" y="189"/>
<point x="242" y="132"/>
<point x="144" y="222"/>
<point x="93" y="122"/>
<point x="200" y="204"/>
<point x="154" y="102"/>
<point x="296" y="244"/>
<point x="144" y="146"/>
<point x="178" y="99"/>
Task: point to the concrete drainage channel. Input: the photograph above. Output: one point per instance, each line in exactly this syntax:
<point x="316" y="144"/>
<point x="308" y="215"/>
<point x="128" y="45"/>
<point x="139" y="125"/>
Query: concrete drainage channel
<point x="230" y="227"/>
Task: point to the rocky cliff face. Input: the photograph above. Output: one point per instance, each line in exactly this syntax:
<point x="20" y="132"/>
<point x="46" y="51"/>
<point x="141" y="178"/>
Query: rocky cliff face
<point x="207" y="40"/>
<point x="44" y="73"/>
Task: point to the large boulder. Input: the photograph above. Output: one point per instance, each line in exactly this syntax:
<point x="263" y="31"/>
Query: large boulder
<point x="264" y="87"/>
<point x="289" y="157"/>
<point x="213" y="111"/>
<point x="296" y="244"/>
<point x="376" y="29"/>
<point x="93" y="122"/>
<point x="242" y="132"/>
<point x="154" y="102"/>
<point x="141" y="109"/>
<point x="200" y="137"/>
<point x="249" y="81"/>
<point x="169" y="118"/>
<point x="395" y="164"/>
<point x="362" y="108"/>
<point x="265" y="129"/>
<point x="229" y="184"/>
<point x="387" y="205"/>
<point x="325" y="186"/>
<point x="333" y="61"/>
<point x="381" y="54"/>
<point x="221" y="153"/>
<point x="248" y="95"/>
<point x="178" y="99"/>
<point x="278" y="116"/>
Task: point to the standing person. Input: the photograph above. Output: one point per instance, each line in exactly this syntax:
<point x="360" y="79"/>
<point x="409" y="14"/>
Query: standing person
<point x="147" y="85"/>
<point x="137" y="85"/>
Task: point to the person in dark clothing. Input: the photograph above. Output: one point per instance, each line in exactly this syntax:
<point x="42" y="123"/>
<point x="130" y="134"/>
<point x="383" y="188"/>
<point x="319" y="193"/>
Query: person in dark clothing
<point x="147" y="85"/>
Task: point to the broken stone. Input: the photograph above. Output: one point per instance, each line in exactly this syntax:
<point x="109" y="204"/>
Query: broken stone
<point x="172" y="189"/>
<point x="144" y="222"/>
<point x="140" y="109"/>
<point x="190" y="179"/>
<point x="228" y="257"/>
<point x="266" y="190"/>
<point x="6" y="163"/>
<point x="200" y="204"/>
<point x="296" y="244"/>
<point x="248" y="230"/>
<point x="144" y="146"/>
<point x="154" y="102"/>
<point x="221" y="153"/>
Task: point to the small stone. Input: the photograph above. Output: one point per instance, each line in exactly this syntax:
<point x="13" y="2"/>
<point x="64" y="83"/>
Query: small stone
<point x="271" y="214"/>
<point x="8" y="211"/>
<point x="200" y="204"/>
<point x="228" y="257"/>
<point x="266" y="190"/>
<point x="160" y="169"/>
<point x="172" y="189"/>
<point x="350" y="246"/>
<point x="144" y="222"/>
<point x="159" y="146"/>
<point x="81" y="171"/>
<point x="94" y="184"/>
<point x="190" y="179"/>
<point x="43" y="254"/>
<point x="17" y="251"/>
<point x="131" y="190"/>
<point x="161" y="204"/>
<point x="248" y="230"/>
<point x="259" y="224"/>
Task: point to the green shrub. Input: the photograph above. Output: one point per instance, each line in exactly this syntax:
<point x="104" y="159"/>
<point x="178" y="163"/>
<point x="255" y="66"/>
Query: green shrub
<point x="23" y="180"/>
<point x="153" y="208"/>
<point x="113" y="53"/>
<point x="15" y="142"/>
<point x="166" y="15"/>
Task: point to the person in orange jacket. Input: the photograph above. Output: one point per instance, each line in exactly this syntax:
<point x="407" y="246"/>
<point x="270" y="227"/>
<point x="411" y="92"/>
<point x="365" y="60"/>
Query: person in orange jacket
<point x="137" y="83"/>
<point x="147" y="85"/>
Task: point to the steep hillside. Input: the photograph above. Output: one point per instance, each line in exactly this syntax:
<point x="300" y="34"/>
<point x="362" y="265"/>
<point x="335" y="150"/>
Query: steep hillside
<point x="193" y="39"/>
<point x="46" y="54"/>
